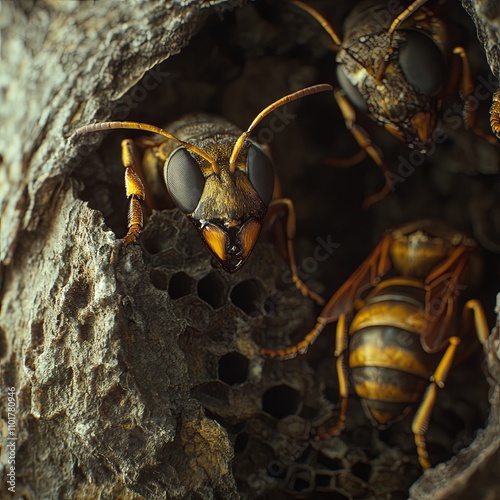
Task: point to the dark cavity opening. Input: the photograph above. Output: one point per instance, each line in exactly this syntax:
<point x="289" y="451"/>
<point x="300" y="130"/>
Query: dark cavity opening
<point x="248" y="296"/>
<point x="281" y="401"/>
<point x="212" y="290"/>
<point x="233" y="368"/>
<point x="180" y="285"/>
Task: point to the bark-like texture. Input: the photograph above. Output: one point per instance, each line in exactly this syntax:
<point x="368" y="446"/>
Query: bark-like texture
<point x="137" y="369"/>
<point x="84" y="424"/>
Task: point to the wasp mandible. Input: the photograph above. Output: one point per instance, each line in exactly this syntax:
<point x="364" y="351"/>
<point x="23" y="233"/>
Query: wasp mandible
<point x="398" y="324"/>
<point x="396" y="69"/>
<point x="222" y="180"/>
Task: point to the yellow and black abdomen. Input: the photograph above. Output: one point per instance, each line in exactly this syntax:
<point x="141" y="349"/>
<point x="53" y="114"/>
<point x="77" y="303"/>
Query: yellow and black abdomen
<point x="390" y="370"/>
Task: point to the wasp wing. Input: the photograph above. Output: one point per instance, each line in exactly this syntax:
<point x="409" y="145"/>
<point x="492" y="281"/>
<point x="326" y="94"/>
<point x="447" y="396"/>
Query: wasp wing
<point x="443" y="287"/>
<point x="366" y="276"/>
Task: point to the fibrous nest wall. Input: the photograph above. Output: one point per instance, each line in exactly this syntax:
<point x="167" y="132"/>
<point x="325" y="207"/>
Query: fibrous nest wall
<point x="138" y="369"/>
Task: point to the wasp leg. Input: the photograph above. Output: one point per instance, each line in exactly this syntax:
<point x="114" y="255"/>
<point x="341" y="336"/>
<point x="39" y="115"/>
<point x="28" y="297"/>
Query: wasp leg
<point x="364" y="141"/>
<point x="423" y="415"/>
<point x="290" y="235"/>
<point x="299" y="348"/>
<point x="355" y="159"/>
<point x="495" y="113"/>
<point x="134" y="190"/>
<point x="466" y="94"/>
<point x="340" y="348"/>
<point x="474" y="308"/>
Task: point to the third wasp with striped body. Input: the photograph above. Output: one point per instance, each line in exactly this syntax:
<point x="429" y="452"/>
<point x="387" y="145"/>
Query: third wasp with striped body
<point x="399" y="324"/>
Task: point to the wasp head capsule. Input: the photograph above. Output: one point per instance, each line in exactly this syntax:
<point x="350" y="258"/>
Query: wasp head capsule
<point x="228" y="208"/>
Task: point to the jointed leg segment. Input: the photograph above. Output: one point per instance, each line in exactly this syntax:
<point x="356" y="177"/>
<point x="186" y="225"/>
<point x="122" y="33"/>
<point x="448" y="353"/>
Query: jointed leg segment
<point x="340" y="348"/>
<point x="134" y="189"/>
<point x="423" y="415"/>
<point x="364" y="141"/>
<point x="290" y="234"/>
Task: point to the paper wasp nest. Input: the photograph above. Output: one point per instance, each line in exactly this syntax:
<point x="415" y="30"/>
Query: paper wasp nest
<point x="137" y="369"/>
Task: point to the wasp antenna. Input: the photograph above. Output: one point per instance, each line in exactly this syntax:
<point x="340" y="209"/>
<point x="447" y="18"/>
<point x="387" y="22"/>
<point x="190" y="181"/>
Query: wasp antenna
<point x="280" y="102"/>
<point x="321" y="20"/>
<point x="405" y="15"/>
<point x="98" y="127"/>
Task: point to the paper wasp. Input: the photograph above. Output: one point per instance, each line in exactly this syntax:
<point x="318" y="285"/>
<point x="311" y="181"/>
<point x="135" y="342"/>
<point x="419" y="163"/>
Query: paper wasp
<point x="404" y="325"/>
<point x="222" y="180"/>
<point x="395" y="65"/>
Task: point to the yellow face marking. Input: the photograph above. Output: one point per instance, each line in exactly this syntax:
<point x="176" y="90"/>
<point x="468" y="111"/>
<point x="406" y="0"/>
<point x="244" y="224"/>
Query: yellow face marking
<point x="385" y="392"/>
<point x="248" y="236"/>
<point x="216" y="239"/>
<point x="394" y="131"/>
<point x="422" y="123"/>
<point x="388" y="357"/>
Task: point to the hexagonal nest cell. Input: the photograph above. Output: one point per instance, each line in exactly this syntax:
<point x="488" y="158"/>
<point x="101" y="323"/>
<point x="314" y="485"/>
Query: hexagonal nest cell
<point x="241" y="61"/>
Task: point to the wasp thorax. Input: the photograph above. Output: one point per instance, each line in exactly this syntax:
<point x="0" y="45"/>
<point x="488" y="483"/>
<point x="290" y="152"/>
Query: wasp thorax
<point x="417" y="253"/>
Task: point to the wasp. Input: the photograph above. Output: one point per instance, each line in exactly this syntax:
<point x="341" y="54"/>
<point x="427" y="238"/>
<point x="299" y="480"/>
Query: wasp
<point x="395" y="65"/>
<point x="398" y="324"/>
<point x="495" y="113"/>
<point x="222" y="180"/>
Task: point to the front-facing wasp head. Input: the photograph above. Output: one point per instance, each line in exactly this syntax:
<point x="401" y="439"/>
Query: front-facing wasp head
<point x="227" y="208"/>
<point x="395" y="73"/>
<point x="223" y="183"/>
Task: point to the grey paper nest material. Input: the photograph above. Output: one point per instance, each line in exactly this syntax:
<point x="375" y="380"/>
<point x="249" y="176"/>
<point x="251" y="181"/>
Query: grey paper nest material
<point x="137" y="369"/>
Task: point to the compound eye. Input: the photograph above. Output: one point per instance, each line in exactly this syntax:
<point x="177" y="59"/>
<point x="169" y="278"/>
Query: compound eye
<point x="422" y="63"/>
<point x="260" y="171"/>
<point x="184" y="180"/>
<point x="351" y="91"/>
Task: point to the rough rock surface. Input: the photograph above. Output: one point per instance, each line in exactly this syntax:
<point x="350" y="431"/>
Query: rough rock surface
<point x="137" y="369"/>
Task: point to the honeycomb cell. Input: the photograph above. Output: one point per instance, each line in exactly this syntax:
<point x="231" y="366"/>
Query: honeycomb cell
<point x="281" y="401"/>
<point x="158" y="279"/>
<point x="233" y="368"/>
<point x="241" y="441"/>
<point x="300" y="479"/>
<point x="362" y="470"/>
<point x="151" y="243"/>
<point x="212" y="290"/>
<point x="180" y="285"/>
<point x="330" y="463"/>
<point x="249" y="297"/>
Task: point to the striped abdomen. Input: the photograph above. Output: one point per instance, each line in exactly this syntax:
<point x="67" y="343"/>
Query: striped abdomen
<point x="389" y="367"/>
